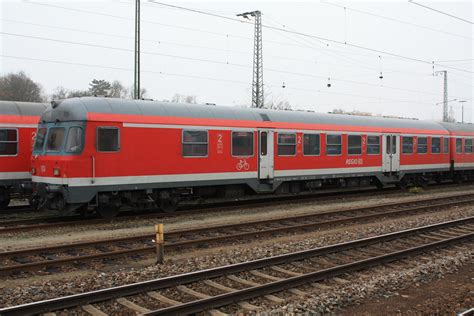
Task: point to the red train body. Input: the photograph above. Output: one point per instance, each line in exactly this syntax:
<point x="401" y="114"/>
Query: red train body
<point x="18" y="123"/>
<point x="106" y="153"/>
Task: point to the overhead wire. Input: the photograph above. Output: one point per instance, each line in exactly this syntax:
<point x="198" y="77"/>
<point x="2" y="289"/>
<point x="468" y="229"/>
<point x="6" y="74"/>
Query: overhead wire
<point x="413" y="59"/>
<point x="441" y="12"/>
<point x="205" y="78"/>
<point x="207" y="61"/>
<point x="394" y="20"/>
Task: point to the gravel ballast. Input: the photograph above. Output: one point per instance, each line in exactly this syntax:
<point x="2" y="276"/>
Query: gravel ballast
<point x="18" y="292"/>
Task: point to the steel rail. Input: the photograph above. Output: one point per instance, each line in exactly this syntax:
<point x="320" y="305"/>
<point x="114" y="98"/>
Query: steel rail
<point x="53" y="222"/>
<point x="137" y="288"/>
<point x="277" y="286"/>
<point x="206" y="240"/>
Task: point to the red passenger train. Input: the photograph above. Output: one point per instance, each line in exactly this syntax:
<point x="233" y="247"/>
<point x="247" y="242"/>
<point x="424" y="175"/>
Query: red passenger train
<point x="105" y="153"/>
<point x="18" y="123"/>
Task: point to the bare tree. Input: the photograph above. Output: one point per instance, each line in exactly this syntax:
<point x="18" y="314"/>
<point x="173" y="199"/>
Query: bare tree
<point x="63" y="93"/>
<point x="182" y="98"/>
<point x="278" y="105"/>
<point x="19" y="87"/>
<point x="117" y="90"/>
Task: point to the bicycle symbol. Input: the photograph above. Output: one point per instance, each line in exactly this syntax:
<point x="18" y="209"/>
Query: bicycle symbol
<point x="243" y="165"/>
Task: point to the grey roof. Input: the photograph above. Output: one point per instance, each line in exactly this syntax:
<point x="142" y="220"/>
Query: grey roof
<point x="76" y="109"/>
<point x="458" y="127"/>
<point x="22" y="108"/>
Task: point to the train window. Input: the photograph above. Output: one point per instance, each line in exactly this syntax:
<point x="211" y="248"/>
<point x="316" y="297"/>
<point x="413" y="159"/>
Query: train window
<point x="8" y="142"/>
<point x="333" y="145"/>
<point x="55" y="139"/>
<point x="263" y="143"/>
<point x="74" y="140"/>
<point x="373" y="145"/>
<point x="108" y="139"/>
<point x="311" y="144"/>
<point x="354" y="145"/>
<point x="195" y="143"/>
<point x="407" y="145"/>
<point x="242" y="143"/>
<point x="435" y="145"/>
<point x="458" y="145"/>
<point x="446" y="145"/>
<point x="40" y="136"/>
<point x="422" y="147"/>
<point x="468" y="146"/>
<point x="286" y="144"/>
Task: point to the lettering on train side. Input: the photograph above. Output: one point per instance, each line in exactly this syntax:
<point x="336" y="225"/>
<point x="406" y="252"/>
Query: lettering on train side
<point x="354" y="161"/>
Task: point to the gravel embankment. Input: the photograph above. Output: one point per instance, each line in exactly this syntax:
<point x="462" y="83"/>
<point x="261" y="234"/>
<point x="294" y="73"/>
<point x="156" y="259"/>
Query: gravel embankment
<point x="15" y="292"/>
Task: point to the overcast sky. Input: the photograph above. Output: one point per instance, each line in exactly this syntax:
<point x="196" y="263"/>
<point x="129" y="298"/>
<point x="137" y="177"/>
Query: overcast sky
<point x="211" y="58"/>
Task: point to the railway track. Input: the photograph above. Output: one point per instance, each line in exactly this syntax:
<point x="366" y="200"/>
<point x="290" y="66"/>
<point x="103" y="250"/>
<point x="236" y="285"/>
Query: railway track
<point x="53" y="222"/>
<point x="76" y="254"/>
<point x="271" y="279"/>
<point x="10" y="226"/>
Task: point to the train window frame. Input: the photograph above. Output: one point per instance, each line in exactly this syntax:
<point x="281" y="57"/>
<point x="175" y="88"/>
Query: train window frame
<point x="440" y="146"/>
<point x="373" y="145"/>
<point x="183" y="143"/>
<point x="319" y="147"/>
<point x="10" y="142"/>
<point x="418" y="145"/>
<point x="446" y="145"/>
<point x="348" y="145"/>
<point x="412" y="145"/>
<point x="466" y="146"/>
<point x="119" y="147"/>
<point x="340" y="137"/>
<point x="61" y="147"/>
<point x="232" y="143"/>
<point x="82" y="140"/>
<point x="461" y="141"/>
<point x="286" y="144"/>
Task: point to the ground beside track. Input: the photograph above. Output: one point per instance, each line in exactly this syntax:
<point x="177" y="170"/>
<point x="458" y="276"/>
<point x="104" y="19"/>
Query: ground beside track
<point x="449" y="295"/>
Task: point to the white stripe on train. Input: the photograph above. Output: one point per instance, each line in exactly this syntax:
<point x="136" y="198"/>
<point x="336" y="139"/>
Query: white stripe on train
<point x="99" y="181"/>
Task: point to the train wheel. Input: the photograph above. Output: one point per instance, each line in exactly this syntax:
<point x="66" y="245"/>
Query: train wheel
<point x="107" y="211"/>
<point x="169" y="205"/>
<point x="4" y="198"/>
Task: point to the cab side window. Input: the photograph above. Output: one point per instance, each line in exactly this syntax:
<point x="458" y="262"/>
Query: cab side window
<point x="108" y="139"/>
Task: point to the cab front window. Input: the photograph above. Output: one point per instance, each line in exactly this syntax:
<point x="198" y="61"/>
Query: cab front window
<point x="55" y="139"/>
<point x="40" y="136"/>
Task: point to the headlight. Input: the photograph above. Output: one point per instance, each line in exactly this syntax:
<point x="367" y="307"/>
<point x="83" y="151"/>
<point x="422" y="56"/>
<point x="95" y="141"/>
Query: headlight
<point x="56" y="172"/>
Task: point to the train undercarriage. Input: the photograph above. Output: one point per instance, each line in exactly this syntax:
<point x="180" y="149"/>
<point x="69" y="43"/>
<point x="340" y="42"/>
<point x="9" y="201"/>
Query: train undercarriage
<point x="110" y="203"/>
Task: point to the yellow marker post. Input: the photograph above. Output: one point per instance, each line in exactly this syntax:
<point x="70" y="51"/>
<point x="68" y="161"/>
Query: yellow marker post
<point x="160" y="243"/>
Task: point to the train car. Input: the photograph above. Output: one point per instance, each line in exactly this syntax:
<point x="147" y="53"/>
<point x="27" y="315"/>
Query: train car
<point x="18" y="123"/>
<point x="102" y="153"/>
<point x="462" y="153"/>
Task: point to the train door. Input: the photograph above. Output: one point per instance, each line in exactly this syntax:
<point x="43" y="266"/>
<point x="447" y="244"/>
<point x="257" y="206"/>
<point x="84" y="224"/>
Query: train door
<point x="265" y="151"/>
<point x="391" y="153"/>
